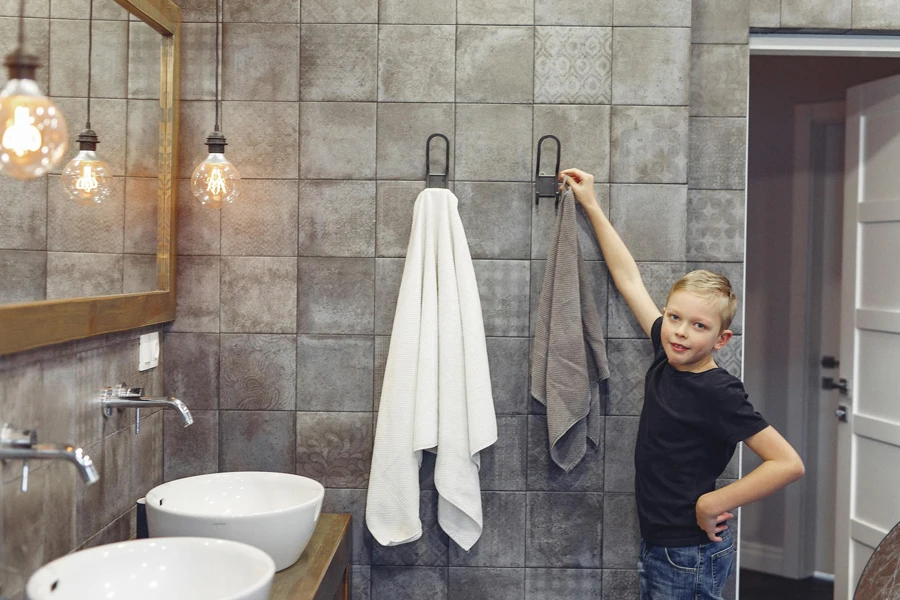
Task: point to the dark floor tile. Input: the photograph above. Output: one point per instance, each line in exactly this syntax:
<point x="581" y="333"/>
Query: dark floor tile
<point x="487" y="584"/>
<point x="556" y="584"/>
<point x="502" y="542"/>
<point x="409" y="583"/>
<point x="564" y="530"/>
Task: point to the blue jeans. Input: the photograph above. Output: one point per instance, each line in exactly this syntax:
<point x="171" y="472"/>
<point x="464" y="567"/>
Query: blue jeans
<point x="688" y="573"/>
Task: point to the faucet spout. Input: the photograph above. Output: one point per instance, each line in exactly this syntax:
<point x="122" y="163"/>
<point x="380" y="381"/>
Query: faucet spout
<point x="169" y="402"/>
<point x="124" y="397"/>
<point x="76" y="456"/>
<point x="22" y="445"/>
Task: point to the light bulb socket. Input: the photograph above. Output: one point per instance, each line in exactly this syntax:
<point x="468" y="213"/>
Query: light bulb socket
<point x="216" y="142"/>
<point x="21" y="65"/>
<point x="88" y="140"/>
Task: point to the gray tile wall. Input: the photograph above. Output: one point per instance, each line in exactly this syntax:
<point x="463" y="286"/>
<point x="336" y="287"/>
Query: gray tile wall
<point x="286" y="299"/>
<point x="54" y="390"/>
<point x="838" y="15"/>
<point x="51" y="247"/>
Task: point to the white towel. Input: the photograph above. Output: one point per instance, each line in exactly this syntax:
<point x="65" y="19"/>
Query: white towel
<point x="436" y="394"/>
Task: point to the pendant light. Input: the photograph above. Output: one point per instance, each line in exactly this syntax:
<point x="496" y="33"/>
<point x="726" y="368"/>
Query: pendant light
<point x="216" y="180"/>
<point x="33" y="132"/>
<point x="87" y="180"/>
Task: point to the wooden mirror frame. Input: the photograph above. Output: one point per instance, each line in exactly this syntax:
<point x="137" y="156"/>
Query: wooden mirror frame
<point x="32" y="324"/>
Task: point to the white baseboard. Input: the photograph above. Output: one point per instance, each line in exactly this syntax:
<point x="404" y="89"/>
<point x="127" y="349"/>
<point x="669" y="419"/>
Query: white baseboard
<point x="762" y="557"/>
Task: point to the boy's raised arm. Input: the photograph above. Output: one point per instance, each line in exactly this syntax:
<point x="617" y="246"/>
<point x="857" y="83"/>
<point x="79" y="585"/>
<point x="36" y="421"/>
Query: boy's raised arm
<point x="619" y="261"/>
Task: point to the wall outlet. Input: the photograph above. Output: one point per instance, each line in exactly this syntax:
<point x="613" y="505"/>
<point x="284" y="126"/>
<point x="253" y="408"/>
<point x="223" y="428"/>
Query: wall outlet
<point x="149" y="354"/>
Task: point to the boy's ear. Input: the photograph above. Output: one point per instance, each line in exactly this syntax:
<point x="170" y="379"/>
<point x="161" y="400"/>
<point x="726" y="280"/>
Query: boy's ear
<point x="723" y="339"/>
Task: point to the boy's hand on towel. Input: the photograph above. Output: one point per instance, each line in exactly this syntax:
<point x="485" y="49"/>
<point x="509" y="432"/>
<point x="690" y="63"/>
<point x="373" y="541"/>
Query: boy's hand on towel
<point x="583" y="185"/>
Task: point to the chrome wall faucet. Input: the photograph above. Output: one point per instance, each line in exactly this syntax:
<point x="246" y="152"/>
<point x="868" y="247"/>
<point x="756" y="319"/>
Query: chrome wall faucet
<point x="122" y="397"/>
<point x="22" y="444"/>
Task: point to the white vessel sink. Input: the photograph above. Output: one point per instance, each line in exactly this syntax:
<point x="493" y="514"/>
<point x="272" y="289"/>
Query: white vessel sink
<point x="157" y="569"/>
<point x="275" y="512"/>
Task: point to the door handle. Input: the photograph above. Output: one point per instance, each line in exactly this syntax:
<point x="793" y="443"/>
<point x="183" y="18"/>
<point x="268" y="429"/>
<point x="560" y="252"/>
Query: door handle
<point x="841" y="413"/>
<point x="842" y="385"/>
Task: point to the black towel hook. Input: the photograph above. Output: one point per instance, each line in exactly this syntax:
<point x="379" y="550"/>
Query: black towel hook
<point x="547" y="186"/>
<point x="435" y="179"/>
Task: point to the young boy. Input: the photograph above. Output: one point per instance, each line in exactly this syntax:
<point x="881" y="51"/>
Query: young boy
<point x="694" y="415"/>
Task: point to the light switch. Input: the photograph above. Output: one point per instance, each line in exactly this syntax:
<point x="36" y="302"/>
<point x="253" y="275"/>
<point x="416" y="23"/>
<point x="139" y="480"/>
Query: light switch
<point x="149" y="354"/>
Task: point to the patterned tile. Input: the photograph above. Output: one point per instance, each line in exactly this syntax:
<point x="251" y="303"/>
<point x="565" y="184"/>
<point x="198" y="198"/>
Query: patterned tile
<point x="487" y="584"/>
<point x="337" y="218"/>
<point x="502" y="543"/>
<point x="494" y="64"/>
<point x="259" y="294"/>
<point x="720" y="21"/>
<point x="489" y="142"/>
<point x="256" y="441"/>
<point x="142" y="138"/>
<point x="339" y="62"/>
<point x="352" y="502"/>
<point x="652" y="13"/>
<point x="628" y="364"/>
<point x="564" y="530"/>
<point x="403" y="131"/>
<point x="339" y="11"/>
<point x="334" y="372"/>
<point x="545" y="475"/>
<point x="618" y="584"/>
<point x="337" y="295"/>
<point x="621" y="434"/>
<point x="416" y="11"/>
<point x="500" y="12"/>
<point x="717" y="153"/>
<point x="263" y="138"/>
<point x="75" y="228"/>
<point x="651" y="219"/>
<point x="621" y="534"/>
<point x="581" y="130"/>
<point x="430" y="550"/>
<point x="508" y="358"/>
<point x="24" y="276"/>
<point x="388" y="275"/>
<point x="141" y="207"/>
<point x="503" y="465"/>
<point x="729" y="357"/>
<point x="393" y="216"/>
<point x="198" y="61"/>
<point x="143" y="67"/>
<point x="416" y="63"/>
<point x="652" y="65"/>
<point x="267" y="11"/>
<point x="573" y="12"/>
<point x="192" y="369"/>
<point x="496" y="218"/>
<point x="335" y="448"/>
<point x="504" y="289"/>
<point x="554" y="584"/>
<point x="715" y="225"/>
<point x="816" y="14"/>
<point x="572" y="65"/>
<point x="649" y="144"/>
<point x="258" y="372"/>
<point x="197" y="299"/>
<point x="345" y="129"/>
<point x="262" y="221"/>
<point x="361" y="582"/>
<point x="409" y="583"/>
<point x="719" y="80"/>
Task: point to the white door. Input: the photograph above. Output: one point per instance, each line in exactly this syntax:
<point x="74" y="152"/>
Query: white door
<point x="868" y="476"/>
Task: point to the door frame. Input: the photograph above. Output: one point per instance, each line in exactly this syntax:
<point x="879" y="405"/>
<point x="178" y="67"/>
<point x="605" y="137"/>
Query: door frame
<point x="803" y="44"/>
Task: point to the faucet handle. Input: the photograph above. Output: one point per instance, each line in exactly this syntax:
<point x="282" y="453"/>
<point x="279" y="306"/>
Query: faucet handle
<point x="19" y="438"/>
<point x="122" y="391"/>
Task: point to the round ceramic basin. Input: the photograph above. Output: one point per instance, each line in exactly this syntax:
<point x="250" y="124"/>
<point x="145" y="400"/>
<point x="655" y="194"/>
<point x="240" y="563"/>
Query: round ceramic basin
<point x="157" y="569"/>
<point x="276" y="512"/>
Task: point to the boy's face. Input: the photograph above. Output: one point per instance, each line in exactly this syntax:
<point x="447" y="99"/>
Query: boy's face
<point x="691" y="331"/>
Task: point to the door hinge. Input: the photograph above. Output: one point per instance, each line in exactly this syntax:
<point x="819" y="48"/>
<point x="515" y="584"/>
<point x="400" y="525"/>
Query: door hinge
<point x="828" y="383"/>
<point x="830" y="362"/>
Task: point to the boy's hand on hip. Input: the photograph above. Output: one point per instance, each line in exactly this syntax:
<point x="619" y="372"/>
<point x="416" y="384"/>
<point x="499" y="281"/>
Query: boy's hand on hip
<point x="708" y="519"/>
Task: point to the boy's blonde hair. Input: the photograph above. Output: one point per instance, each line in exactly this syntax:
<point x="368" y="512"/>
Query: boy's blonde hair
<point x="713" y="287"/>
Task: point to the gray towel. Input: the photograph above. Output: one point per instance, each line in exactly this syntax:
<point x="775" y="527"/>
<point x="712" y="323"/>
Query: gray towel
<point x="568" y="359"/>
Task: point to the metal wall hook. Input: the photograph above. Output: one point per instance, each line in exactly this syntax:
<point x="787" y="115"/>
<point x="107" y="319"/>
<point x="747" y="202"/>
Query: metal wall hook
<point x="437" y="179"/>
<point x="547" y="186"/>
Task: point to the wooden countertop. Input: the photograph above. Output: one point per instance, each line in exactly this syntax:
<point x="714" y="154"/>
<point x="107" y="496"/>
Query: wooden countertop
<point x="322" y="572"/>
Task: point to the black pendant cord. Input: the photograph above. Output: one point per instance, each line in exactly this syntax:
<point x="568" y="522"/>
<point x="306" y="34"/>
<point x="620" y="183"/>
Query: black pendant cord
<point x="217" y="66"/>
<point x="90" y="48"/>
<point x="21" y="24"/>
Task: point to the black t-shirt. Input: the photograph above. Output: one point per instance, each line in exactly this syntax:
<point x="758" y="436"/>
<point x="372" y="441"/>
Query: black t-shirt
<point x="689" y="428"/>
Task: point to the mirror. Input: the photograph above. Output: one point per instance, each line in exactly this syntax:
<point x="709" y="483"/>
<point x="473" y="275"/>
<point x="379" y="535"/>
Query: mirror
<point x="66" y="270"/>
